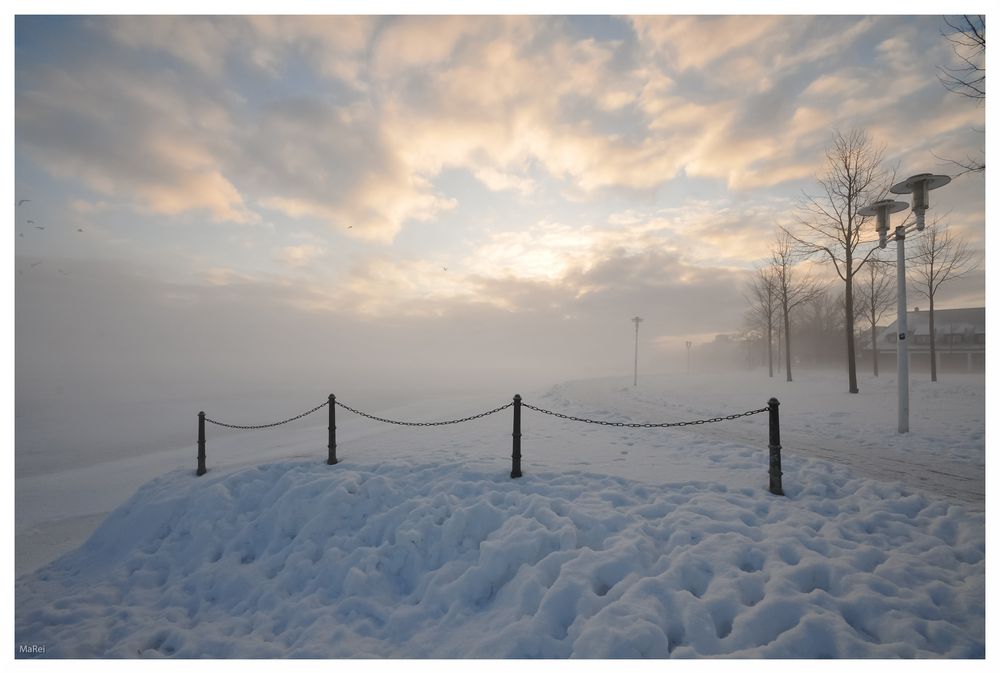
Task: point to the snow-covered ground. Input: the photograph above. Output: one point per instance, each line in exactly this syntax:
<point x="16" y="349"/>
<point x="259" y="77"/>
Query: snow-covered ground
<point x="615" y="543"/>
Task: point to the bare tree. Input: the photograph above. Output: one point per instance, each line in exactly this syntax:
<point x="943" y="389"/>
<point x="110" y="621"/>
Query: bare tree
<point x="939" y="258"/>
<point x="822" y="326"/>
<point x="830" y="226"/>
<point x="875" y="295"/>
<point x="968" y="40"/>
<point x="792" y="290"/>
<point x="763" y="300"/>
<point x="753" y="331"/>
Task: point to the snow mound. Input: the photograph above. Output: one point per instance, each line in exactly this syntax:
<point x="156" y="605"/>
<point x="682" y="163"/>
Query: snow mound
<point x="415" y="559"/>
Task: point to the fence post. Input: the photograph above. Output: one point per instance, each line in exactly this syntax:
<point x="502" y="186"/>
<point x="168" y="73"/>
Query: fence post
<point x="331" y="445"/>
<point x="515" y="470"/>
<point x="774" y="447"/>
<point x="201" y="445"/>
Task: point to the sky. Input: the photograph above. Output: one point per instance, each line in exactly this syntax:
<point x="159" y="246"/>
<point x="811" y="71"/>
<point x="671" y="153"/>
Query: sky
<point x="237" y="201"/>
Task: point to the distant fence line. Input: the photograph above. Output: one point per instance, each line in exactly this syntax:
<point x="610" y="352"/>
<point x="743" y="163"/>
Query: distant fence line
<point x="774" y="434"/>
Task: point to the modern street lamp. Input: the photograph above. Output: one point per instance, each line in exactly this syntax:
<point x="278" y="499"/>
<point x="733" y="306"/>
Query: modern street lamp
<point x="919" y="185"/>
<point x="635" y="376"/>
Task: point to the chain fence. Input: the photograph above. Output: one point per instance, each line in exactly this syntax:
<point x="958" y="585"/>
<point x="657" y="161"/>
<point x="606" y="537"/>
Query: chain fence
<point x="599" y="422"/>
<point x="276" y="423"/>
<point x="623" y="424"/>
<point x="424" y="423"/>
<point x="774" y="444"/>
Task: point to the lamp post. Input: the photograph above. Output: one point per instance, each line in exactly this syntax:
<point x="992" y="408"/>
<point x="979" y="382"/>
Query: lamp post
<point x="688" y="345"/>
<point x="919" y="185"/>
<point x="635" y="374"/>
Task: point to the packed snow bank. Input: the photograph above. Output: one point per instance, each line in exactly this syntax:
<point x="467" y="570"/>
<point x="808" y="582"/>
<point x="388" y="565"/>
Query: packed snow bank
<point x="425" y="559"/>
<point x="943" y="454"/>
<point x="944" y="451"/>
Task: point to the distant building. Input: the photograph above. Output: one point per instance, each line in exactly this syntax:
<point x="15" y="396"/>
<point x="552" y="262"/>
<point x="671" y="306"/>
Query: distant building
<point x="960" y="340"/>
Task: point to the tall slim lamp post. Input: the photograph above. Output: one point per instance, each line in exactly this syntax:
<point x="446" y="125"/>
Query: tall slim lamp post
<point x="919" y="185"/>
<point x="688" y="345"/>
<point x="635" y="372"/>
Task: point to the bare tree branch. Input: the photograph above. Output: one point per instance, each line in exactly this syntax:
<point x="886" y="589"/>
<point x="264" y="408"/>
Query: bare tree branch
<point x="939" y="258"/>
<point x="829" y="223"/>
<point x="792" y="290"/>
<point x="874" y="295"/>
<point x="968" y="41"/>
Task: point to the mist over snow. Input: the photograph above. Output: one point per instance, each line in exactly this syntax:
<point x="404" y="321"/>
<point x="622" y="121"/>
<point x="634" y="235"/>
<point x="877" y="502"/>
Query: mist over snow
<point x="616" y="542"/>
<point x="426" y="215"/>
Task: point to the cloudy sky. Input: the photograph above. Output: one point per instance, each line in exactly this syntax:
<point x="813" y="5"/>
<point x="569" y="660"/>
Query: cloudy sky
<point x="322" y="193"/>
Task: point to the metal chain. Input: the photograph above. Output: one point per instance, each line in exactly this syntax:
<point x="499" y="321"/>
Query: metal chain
<point x="276" y="423"/>
<point x="424" y="423"/>
<point x="620" y="424"/>
<point x="628" y="425"/>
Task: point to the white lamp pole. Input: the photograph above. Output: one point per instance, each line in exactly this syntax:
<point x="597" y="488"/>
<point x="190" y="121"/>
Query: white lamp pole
<point x="902" y="348"/>
<point x="919" y="185"/>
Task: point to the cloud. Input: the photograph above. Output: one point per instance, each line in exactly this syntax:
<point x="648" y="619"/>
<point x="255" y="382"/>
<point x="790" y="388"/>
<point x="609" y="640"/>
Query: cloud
<point x="201" y="42"/>
<point x="552" y="266"/>
<point x="132" y="136"/>
<point x="225" y="126"/>
<point x="334" y="45"/>
<point x="402" y="45"/>
<point x="301" y="255"/>
<point x="84" y="206"/>
<point x="686" y="43"/>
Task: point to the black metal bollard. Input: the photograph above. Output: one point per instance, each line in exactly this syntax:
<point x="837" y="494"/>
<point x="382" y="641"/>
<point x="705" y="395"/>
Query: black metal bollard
<point x="774" y="447"/>
<point x="515" y="470"/>
<point x="332" y="442"/>
<point x="201" y="445"/>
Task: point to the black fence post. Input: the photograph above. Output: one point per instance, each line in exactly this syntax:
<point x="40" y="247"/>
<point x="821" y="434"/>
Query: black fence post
<point x="774" y="447"/>
<point x="201" y="444"/>
<point x="332" y="442"/>
<point x="515" y="470"/>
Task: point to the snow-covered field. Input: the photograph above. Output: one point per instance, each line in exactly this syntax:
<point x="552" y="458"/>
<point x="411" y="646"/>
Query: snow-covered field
<point x="615" y="543"/>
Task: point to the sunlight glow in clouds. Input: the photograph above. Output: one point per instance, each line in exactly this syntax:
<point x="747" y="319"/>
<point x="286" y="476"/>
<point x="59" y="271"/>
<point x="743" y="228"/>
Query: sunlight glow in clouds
<point x="362" y="155"/>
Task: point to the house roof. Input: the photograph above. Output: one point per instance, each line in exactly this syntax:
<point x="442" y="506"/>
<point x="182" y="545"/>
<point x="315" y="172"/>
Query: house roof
<point x="946" y="322"/>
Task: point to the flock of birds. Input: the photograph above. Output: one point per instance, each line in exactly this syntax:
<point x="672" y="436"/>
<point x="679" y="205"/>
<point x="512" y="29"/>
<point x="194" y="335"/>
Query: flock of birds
<point x="21" y="202"/>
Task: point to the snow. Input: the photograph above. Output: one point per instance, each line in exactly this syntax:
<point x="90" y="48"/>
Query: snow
<point x="615" y="543"/>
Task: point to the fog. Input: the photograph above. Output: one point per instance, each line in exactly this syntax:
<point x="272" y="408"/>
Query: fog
<point x="490" y="213"/>
<point x="110" y="362"/>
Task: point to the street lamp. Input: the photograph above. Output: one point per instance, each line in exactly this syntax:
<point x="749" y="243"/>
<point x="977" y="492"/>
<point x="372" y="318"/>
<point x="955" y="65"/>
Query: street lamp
<point x="688" y="345"/>
<point x="919" y="185"/>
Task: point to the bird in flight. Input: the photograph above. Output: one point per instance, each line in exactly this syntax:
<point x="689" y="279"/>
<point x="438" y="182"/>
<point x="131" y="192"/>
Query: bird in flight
<point x="21" y="201"/>
<point x="35" y="264"/>
<point x="79" y="230"/>
<point x="444" y="268"/>
<point x="31" y="222"/>
<point x="37" y="227"/>
<point x="350" y="226"/>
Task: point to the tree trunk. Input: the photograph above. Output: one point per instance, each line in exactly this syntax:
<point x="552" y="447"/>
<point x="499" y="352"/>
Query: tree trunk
<point x="930" y="320"/>
<point x="770" y="349"/>
<point x="874" y="351"/>
<point x="852" y="368"/>
<point x="779" y="349"/>
<point x="788" y="350"/>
